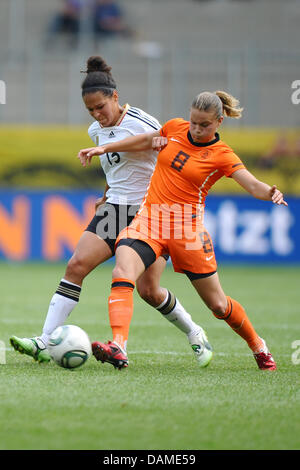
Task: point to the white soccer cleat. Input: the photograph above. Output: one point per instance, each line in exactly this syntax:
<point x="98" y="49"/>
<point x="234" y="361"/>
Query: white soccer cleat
<point x="202" y="348"/>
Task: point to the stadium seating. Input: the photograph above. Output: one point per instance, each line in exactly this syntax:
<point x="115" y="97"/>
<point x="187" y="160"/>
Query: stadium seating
<point x="242" y="46"/>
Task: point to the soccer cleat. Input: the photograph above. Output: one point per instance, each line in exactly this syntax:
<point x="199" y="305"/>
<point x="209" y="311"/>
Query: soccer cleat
<point x="202" y="348"/>
<point x="110" y="352"/>
<point x="264" y="358"/>
<point x="33" y="347"/>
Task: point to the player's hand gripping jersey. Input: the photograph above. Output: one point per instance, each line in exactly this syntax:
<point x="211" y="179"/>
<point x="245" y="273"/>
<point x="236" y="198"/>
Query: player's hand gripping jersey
<point x="127" y="174"/>
<point x="170" y="219"/>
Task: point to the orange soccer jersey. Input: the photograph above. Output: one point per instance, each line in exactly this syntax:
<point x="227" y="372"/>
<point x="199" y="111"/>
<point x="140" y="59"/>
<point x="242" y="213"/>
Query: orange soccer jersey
<point x="184" y="173"/>
<point x="186" y="170"/>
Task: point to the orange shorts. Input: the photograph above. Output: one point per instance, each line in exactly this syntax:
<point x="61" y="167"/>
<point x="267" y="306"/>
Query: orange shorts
<point x="186" y="241"/>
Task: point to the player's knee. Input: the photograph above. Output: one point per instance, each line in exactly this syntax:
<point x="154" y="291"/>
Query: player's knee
<point x="149" y="294"/>
<point x="76" y="267"/>
<point x="120" y="272"/>
<point x="219" y="309"/>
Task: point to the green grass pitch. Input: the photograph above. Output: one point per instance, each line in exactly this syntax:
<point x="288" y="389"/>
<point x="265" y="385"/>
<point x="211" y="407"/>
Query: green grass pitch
<point x="163" y="400"/>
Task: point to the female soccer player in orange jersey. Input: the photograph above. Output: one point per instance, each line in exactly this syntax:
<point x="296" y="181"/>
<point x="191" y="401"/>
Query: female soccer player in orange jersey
<point x="192" y="158"/>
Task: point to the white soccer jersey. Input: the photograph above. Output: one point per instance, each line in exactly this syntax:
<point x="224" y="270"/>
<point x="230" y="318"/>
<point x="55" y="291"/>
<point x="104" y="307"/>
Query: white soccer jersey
<point x="127" y="175"/>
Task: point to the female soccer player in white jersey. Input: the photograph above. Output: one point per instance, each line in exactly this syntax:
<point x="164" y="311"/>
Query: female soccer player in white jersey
<point x="127" y="178"/>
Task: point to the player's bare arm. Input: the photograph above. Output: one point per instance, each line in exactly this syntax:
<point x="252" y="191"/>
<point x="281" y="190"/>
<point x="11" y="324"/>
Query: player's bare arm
<point x="130" y="144"/>
<point x="257" y="188"/>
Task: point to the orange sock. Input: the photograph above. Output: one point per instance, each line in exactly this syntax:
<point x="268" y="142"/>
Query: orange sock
<point x="120" y="309"/>
<point x="236" y="317"/>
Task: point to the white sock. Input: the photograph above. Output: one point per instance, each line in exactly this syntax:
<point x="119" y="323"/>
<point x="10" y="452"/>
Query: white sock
<point x="175" y="313"/>
<point x="62" y="303"/>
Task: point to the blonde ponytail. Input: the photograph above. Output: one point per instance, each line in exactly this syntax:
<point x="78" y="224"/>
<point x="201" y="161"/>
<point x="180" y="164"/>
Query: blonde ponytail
<point x="230" y="105"/>
<point x="220" y="102"/>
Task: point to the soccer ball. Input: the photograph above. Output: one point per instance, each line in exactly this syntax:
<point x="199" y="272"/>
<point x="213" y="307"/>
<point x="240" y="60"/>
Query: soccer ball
<point x="69" y="346"/>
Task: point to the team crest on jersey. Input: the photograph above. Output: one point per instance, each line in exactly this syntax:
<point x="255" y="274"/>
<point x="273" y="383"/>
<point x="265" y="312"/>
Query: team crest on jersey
<point x="205" y="154"/>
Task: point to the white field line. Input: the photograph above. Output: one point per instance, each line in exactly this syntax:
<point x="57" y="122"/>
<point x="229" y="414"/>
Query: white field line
<point x="176" y="353"/>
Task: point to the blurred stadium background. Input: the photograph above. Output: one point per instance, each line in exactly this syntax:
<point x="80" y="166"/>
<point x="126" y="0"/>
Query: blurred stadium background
<point x="179" y="48"/>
